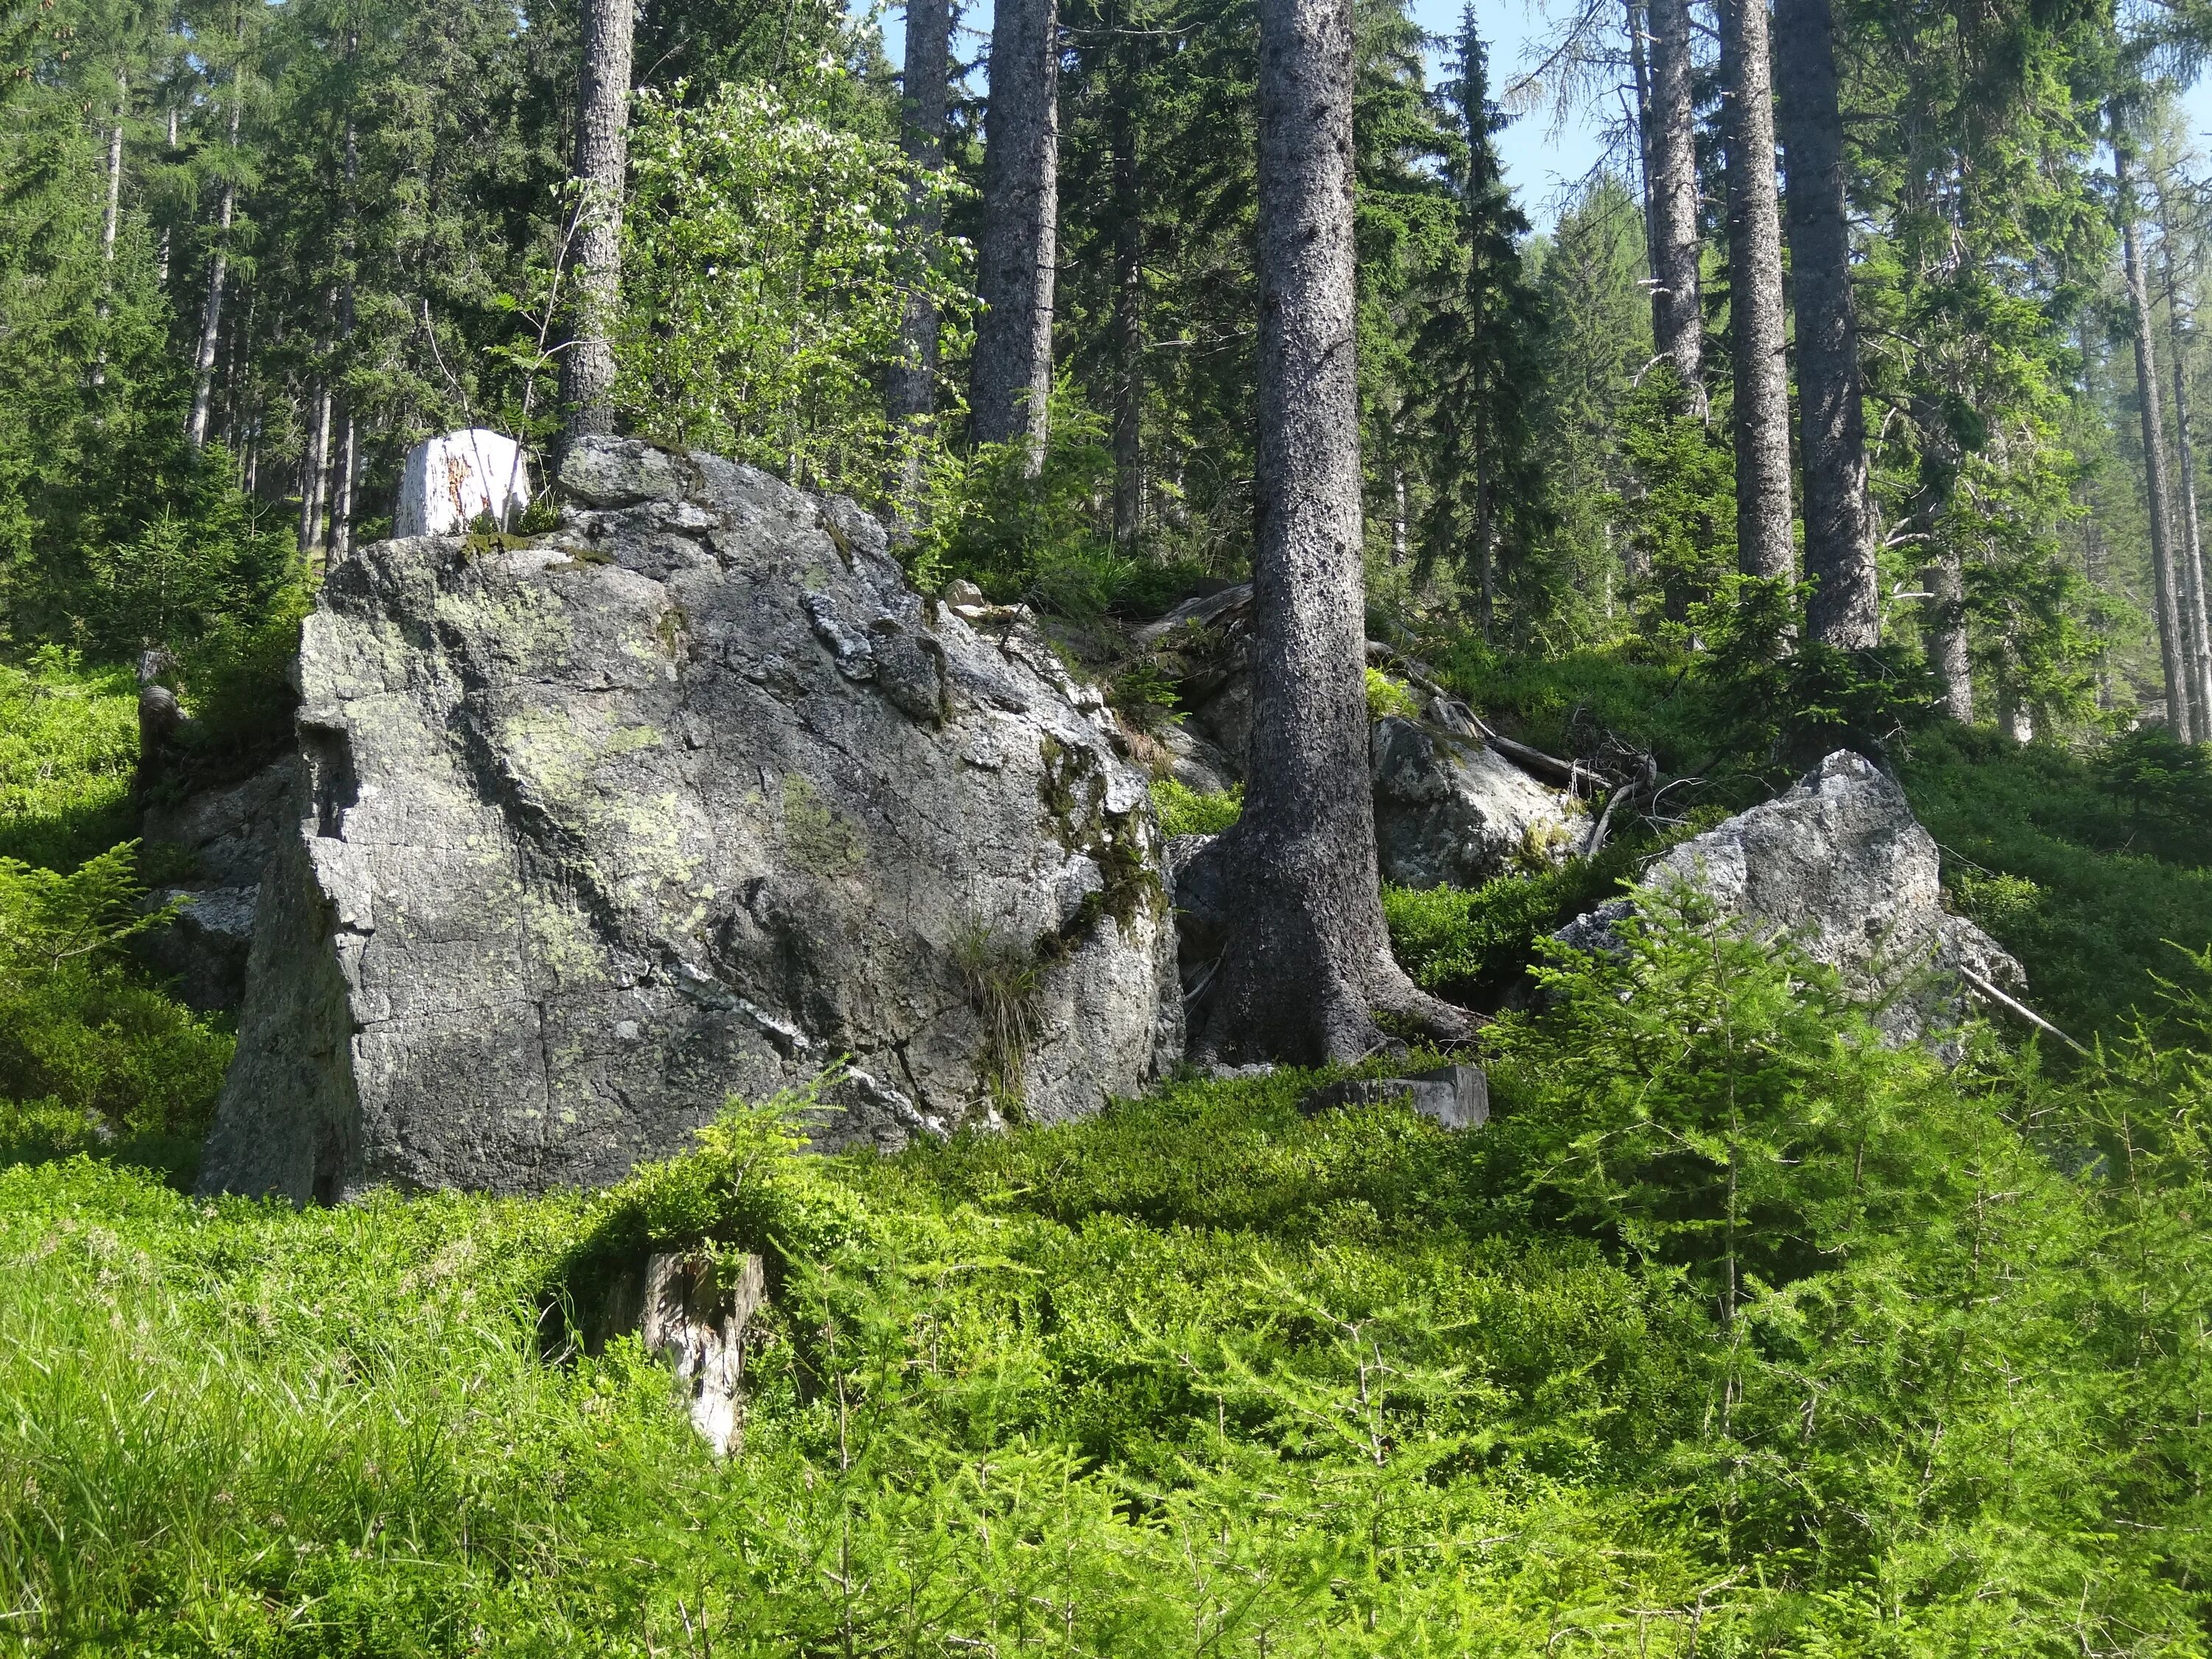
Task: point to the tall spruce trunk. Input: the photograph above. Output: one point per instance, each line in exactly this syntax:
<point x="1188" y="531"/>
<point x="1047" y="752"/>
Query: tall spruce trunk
<point x="1946" y="634"/>
<point x="2180" y="708"/>
<point x="602" y="164"/>
<point x="1845" y="610"/>
<point x="315" y="474"/>
<point x="113" y="222"/>
<point x="1012" y="369"/>
<point x="1306" y="960"/>
<point x="196" y="423"/>
<point x="1677" y="315"/>
<point x="1128" y="308"/>
<point x="348" y="461"/>
<point x="911" y="394"/>
<point x="1756" y="334"/>
<point x="1640" y="79"/>
<point x="2188" y="549"/>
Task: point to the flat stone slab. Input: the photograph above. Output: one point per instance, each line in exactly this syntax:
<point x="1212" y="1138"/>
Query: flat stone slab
<point x="1451" y="1096"/>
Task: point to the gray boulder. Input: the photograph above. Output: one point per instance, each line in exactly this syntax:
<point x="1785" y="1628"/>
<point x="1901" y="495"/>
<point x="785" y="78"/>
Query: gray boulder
<point x="1450" y="810"/>
<point x="1840" y="866"/>
<point x="693" y="797"/>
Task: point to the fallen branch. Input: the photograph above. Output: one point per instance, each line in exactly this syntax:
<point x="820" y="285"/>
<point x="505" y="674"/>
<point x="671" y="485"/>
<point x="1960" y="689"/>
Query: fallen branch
<point x="1597" y="842"/>
<point x="1976" y="982"/>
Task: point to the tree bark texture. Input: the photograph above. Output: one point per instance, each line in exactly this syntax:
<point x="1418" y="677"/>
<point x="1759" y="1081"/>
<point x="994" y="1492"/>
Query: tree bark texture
<point x="196" y="423"/>
<point x="602" y="165"/>
<point x="1761" y="397"/>
<point x="1846" y="610"/>
<point x="1306" y="958"/>
<point x="911" y="395"/>
<point x="114" y="219"/>
<point x="315" y="474"/>
<point x="1128" y="309"/>
<point x="1678" y="321"/>
<point x="348" y="461"/>
<point x="2180" y="710"/>
<point x="2189" y="547"/>
<point x="1640" y="79"/>
<point x="1012" y="369"/>
<point x="1947" y="635"/>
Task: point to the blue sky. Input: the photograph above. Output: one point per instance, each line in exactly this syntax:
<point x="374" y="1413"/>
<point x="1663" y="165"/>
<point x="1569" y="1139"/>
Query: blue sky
<point x="1542" y="157"/>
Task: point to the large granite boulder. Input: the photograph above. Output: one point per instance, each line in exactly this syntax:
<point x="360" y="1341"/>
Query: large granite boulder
<point x="1451" y="812"/>
<point x="1840" y="865"/>
<point x="694" y="796"/>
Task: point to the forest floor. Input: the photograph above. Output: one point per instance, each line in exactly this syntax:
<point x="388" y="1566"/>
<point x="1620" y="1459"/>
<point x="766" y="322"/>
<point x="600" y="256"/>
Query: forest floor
<point x="1204" y="1374"/>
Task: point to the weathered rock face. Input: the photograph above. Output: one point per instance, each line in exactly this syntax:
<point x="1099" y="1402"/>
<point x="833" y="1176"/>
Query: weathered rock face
<point x="1449" y="811"/>
<point x="228" y="835"/>
<point x="693" y="797"/>
<point x="1840" y="866"/>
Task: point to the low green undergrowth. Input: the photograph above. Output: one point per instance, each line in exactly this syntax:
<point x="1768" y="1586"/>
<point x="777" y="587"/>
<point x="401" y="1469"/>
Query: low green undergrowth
<point x="91" y="1052"/>
<point x="68" y="745"/>
<point x="1473" y="945"/>
<point x="1734" y="1333"/>
<point x="2072" y="865"/>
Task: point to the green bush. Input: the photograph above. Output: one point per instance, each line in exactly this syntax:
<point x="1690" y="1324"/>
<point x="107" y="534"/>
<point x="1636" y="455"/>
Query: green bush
<point x="1386" y="696"/>
<point x="2073" y="862"/>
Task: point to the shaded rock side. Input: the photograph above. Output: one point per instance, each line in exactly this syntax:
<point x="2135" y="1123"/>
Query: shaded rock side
<point x="693" y="797"/>
<point x="1450" y="812"/>
<point x="1840" y="866"/>
<point x="226" y="837"/>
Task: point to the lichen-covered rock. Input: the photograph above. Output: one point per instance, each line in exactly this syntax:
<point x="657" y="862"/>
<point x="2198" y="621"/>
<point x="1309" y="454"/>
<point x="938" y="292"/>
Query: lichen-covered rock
<point x="1450" y="812"/>
<point x="1840" y="866"/>
<point x="693" y="797"/>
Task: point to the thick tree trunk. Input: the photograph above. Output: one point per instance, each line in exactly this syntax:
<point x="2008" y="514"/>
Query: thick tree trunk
<point x="1306" y="958"/>
<point x="1761" y="397"/>
<point x="2180" y="709"/>
<point x="1012" y="370"/>
<point x="2189" y="549"/>
<point x="911" y="395"/>
<point x="1677" y="317"/>
<point x="1128" y="312"/>
<point x="196" y="423"/>
<point x="602" y="165"/>
<point x="1845" y="610"/>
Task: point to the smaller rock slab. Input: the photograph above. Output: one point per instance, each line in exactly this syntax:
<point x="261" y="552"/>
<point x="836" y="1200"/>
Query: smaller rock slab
<point x="1451" y="1096"/>
<point x="1451" y="812"/>
<point x="1840" y="867"/>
